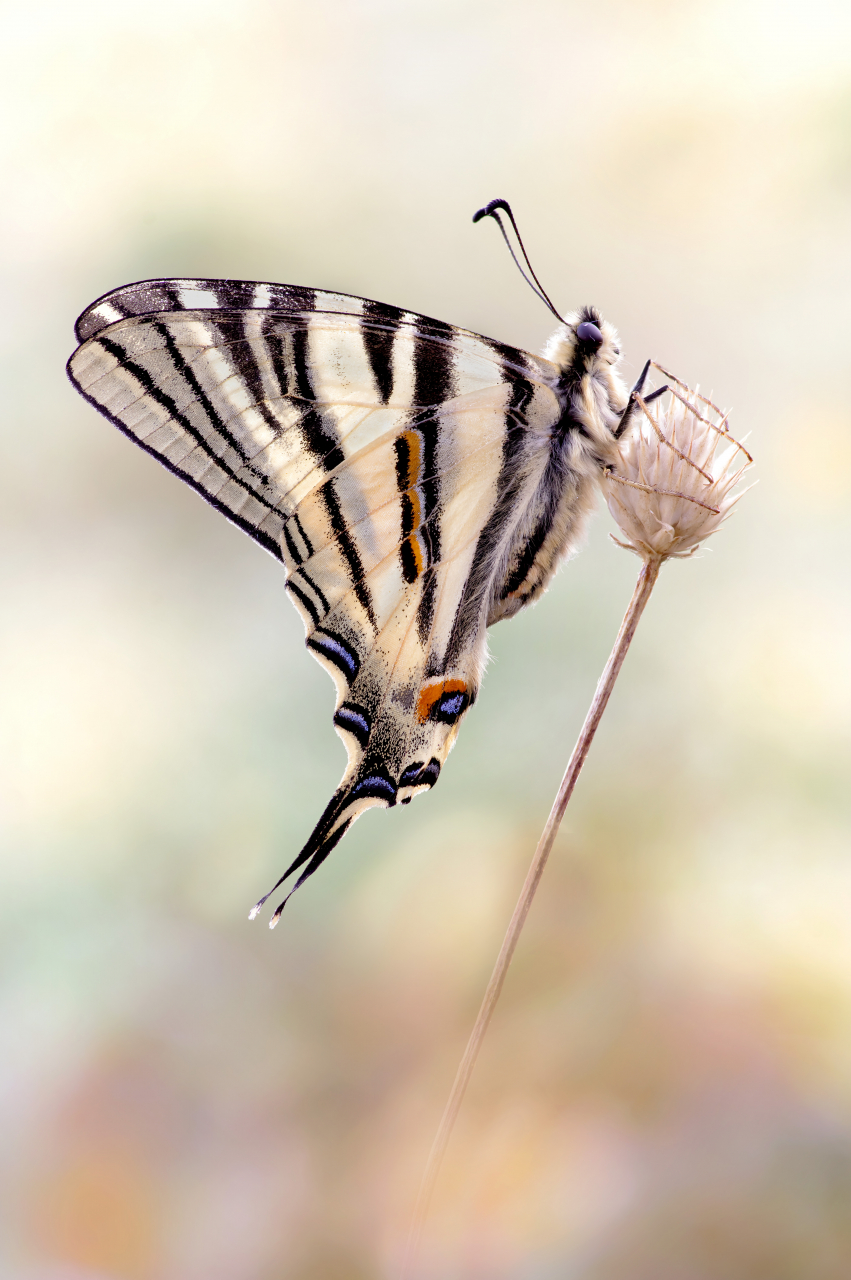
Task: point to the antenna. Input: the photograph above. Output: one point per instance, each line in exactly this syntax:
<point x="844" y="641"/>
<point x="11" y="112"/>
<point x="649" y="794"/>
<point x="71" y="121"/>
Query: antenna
<point x="490" y="211"/>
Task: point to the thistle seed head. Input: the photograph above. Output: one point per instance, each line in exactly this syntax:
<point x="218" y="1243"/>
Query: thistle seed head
<point x="671" y="486"/>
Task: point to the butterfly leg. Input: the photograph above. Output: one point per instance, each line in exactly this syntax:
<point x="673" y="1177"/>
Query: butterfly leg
<point x="633" y="396"/>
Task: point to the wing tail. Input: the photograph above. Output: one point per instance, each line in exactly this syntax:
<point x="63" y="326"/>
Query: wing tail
<point x="316" y="843"/>
<point x="371" y="787"/>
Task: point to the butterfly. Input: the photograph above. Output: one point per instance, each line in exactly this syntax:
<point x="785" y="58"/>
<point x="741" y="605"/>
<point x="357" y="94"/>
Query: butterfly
<point x="419" y="482"/>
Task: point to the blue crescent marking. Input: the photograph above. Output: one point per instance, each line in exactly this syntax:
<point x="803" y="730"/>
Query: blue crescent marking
<point x="378" y="783"/>
<point x="354" y="717"/>
<point x="332" y="645"/>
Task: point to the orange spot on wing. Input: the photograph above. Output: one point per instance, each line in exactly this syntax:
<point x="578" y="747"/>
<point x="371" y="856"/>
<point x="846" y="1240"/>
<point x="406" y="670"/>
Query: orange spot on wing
<point x="414" y="441"/>
<point x="430" y="694"/>
<point x="416" y="507"/>
<point x="413" y="545"/>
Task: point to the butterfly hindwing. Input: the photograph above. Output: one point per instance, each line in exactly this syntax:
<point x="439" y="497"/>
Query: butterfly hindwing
<point x="386" y="458"/>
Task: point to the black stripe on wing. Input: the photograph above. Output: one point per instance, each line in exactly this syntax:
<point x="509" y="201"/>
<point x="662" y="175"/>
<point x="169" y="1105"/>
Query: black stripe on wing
<point x="149" y="387"/>
<point x="378" y="341"/>
<point x="313" y="599"/>
<point x="432" y="386"/>
<point x="510" y="481"/>
<point x="247" y="370"/>
<point x="322" y="442"/>
<point x="298" y="544"/>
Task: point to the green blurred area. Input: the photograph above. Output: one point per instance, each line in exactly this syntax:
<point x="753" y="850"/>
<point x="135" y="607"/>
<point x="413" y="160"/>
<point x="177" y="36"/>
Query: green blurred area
<point x="665" y="1093"/>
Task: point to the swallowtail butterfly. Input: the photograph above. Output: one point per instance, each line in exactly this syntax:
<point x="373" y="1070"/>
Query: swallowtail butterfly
<point x="418" y="482"/>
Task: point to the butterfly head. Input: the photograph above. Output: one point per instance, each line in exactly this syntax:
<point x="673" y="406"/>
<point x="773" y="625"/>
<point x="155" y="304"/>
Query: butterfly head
<point x="585" y="343"/>
<point x="586" y="352"/>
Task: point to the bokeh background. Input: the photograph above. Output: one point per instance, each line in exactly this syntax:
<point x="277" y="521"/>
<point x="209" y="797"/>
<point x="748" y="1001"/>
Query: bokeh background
<point x="665" y="1093"/>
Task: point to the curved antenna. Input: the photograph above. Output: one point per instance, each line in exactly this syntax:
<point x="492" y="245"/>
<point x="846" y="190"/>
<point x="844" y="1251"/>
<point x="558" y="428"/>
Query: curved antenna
<point x="490" y="211"/>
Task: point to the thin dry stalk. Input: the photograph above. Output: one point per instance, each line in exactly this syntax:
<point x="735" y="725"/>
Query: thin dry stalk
<point x="666" y="510"/>
<point x="646" y="581"/>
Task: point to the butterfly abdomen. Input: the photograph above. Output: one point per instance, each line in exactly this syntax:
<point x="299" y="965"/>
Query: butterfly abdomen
<point x="550" y="527"/>
<point x="579" y="445"/>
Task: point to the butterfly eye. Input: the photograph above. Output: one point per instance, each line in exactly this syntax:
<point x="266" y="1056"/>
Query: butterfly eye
<point x="588" y="332"/>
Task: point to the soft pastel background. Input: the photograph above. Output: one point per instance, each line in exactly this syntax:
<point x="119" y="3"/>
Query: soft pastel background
<point x="666" y="1090"/>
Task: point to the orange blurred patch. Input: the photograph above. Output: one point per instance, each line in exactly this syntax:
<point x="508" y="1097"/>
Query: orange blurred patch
<point x="100" y="1213"/>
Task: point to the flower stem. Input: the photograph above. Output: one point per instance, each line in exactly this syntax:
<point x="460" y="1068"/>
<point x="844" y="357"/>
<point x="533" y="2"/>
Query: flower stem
<point x="646" y="581"/>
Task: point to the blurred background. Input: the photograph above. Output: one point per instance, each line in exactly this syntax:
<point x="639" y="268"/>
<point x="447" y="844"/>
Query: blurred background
<point x="665" y="1093"/>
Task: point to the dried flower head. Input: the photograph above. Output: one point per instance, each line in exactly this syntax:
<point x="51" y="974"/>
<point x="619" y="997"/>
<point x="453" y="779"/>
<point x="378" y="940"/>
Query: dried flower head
<point x="671" y="486"/>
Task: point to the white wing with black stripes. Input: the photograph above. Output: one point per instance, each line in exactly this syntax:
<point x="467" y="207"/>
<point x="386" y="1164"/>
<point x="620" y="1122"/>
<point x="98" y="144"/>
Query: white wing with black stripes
<point x="418" y="481"/>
